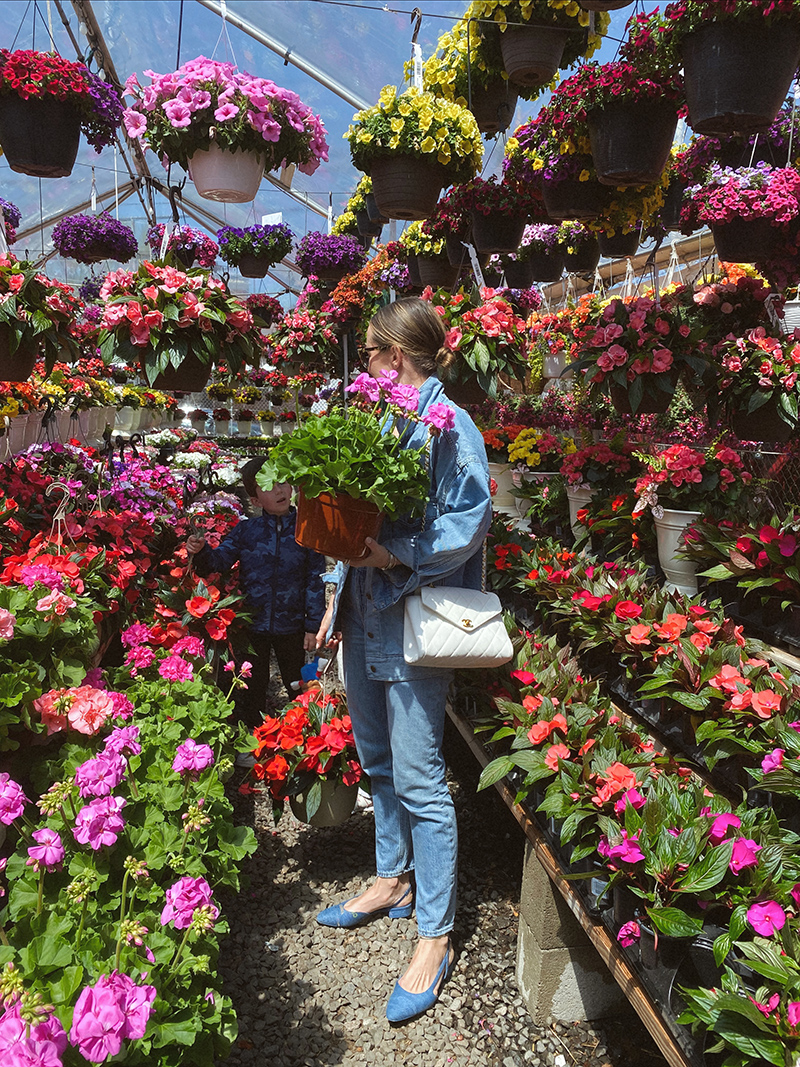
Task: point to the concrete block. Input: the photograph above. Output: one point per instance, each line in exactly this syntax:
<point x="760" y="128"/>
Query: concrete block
<point x="544" y="909"/>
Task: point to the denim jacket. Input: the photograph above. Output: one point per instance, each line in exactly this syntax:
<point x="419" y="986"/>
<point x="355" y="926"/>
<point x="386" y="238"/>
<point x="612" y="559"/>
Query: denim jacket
<point x="445" y="549"/>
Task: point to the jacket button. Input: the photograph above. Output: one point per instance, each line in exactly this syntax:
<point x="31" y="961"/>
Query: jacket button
<point x="370" y="633"/>
<point x="369" y="596"/>
<point x="374" y="670"/>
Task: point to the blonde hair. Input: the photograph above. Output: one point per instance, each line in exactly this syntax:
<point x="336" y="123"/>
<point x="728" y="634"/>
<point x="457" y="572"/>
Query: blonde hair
<point x="414" y="327"/>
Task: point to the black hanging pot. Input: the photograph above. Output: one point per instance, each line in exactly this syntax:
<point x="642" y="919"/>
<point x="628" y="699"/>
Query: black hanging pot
<point x="519" y="273"/>
<point x="366" y="227"/>
<point x="737" y="74"/>
<point x="631" y="140"/>
<point x="251" y="266"/>
<point x="571" y="199"/>
<point x="584" y="259"/>
<point x="673" y="202"/>
<point x="547" y="264"/>
<point x="437" y="271"/>
<point x="746" y="240"/>
<point x="39" y="136"/>
<point x="186" y="256"/>
<point x="493" y="105"/>
<point x="763" y="424"/>
<point x="532" y="54"/>
<point x="619" y="245"/>
<point x="603" y="5"/>
<point x="497" y="233"/>
<point x="412" y="266"/>
<point x="456" y="250"/>
<point x="407" y="187"/>
<point x="374" y="212"/>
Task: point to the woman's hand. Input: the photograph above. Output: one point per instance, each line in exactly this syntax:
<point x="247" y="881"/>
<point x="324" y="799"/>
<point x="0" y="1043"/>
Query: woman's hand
<point x="378" y="556"/>
<point x="195" y="543"/>
<point x="321" y="640"/>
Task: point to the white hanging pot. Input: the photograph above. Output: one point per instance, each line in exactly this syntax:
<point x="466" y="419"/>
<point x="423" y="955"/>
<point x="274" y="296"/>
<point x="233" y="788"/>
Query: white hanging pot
<point x="578" y="498"/>
<point x="226" y="176"/>
<point x="791" y="315"/>
<point x="680" y="573"/>
<point x="123" y="420"/>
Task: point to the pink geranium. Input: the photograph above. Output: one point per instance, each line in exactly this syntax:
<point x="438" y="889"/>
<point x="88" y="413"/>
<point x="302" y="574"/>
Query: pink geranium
<point x="12" y="799"/>
<point x="114" y="1009"/>
<point x="48" y="852"/>
<point x="99" y="776"/>
<point x="184" y="898"/>
<point x="26" y="1045"/>
<point x="192" y="759"/>
<point x="7" y="621"/>
<point x="99" y="822"/>
<point x="176" y="669"/>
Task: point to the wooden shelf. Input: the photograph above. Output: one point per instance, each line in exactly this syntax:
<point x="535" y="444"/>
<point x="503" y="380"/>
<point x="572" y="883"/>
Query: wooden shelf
<point x="607" y="947"/>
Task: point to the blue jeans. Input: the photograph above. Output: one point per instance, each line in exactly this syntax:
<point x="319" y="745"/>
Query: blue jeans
<point x="398" y="728"/>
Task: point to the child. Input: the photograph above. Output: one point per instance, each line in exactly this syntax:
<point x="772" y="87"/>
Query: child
<point x="281" y="584"/>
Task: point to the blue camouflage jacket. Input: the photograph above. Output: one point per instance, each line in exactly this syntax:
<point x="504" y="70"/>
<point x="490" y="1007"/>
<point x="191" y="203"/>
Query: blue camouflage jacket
<point x="281" y="581"/>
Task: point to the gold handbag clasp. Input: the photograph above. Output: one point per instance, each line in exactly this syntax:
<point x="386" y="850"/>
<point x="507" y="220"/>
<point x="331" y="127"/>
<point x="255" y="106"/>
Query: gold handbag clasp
<point x="467" y="623"/>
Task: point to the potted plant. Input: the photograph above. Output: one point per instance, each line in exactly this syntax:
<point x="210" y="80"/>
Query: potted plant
<point x="351" y="468"/>
<point x="305" y="336"/>
<point x="329" y="256"/>
<point x="358" y="206"/>
<point x="175" y="325"/>
<point x="35" y="318"/>
<point x="189" y="246"/>
<point x="225" y="127"/>
<point x="450" y="222"/>
<point x="429" y="255"/>
<point x="538" y="259"/>
<point x="498" y="212"/>
<point x="91" y="238"/>
<point x="556" y="37"/>
<point x="497" y="440"/>
<point x="198" y="419"/>
<point x="413" y="144"/>
<point x="738" y="59"/>
<point x="222" y="421"/>
<point x="603" y="468"/>
<point x="11" y="220"/>
<point x="579" y="246"/>
<point x="268" y="309"/>
<point x="45" y="102"/>
<point x="757" y="386"/>
<point x="749" y="209"/>
<point x="307" y="754"/>
<point x="254" y="249"/>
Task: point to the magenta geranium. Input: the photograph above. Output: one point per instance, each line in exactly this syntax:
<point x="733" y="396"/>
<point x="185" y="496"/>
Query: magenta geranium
<point x="12" y="799"/>
<point x="113" y="1010"/>
<point x="98" y="777"/>
<point x="192" y="759"/>
<point x="99" y="822"/>
<point x="184" y="898"/>
<point x="48" y="852"/>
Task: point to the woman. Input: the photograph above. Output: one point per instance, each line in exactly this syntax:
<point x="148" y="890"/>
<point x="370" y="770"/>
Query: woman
<point x="397" y="709"/>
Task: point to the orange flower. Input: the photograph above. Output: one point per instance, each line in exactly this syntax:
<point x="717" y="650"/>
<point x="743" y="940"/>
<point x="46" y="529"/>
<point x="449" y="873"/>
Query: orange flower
<point x="638" y="635"/>
<point x="198" y="606"/>
<point x="766" y="703"/>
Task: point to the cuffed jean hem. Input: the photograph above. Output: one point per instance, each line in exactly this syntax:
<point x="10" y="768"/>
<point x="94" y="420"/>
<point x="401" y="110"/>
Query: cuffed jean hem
<point x="396" y="874"/>
<point x="431" y="937"/>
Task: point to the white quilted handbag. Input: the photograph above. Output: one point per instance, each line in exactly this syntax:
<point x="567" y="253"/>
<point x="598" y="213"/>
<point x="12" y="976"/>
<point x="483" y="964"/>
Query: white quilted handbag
<point x="446" y="626"/>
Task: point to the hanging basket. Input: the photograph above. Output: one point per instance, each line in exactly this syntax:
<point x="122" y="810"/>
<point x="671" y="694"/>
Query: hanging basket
<point x="374" y="211"/>
<point x="604" y="5"/>
<point x="412" y="266"/>
<point x="532" y="54"/>
<point x="336" y="806"/>
<point x="456" y="251"/>
<point x="519" y="273"/>
<point x="746" y="240"/>
<point x="366" y="227"/>
<point x="225" y="176"/>
<point x="437" y="271"/>
<point x="651" y="403"/>
<point x="547" y="265"/>
<point x="497" y="233"/>
<point x="336" y="526"/>
<point x="631" y="140"/>
<point x="493" y="105"/>
<point x="186" y="257"/>
<point x="619" y="245"/>
<point x="763" y="424"/>
<point x="254" y="266"/>
<point x="571" y="199"/>
<point x="40" y="137"/>
<point x="17" y="366"/>
<point x="190" y="377"/>
<point x="737" y="74"/>
<point x="584" y="259"/>
<point x="407" y="187"/>
<point x="673" y="202"/>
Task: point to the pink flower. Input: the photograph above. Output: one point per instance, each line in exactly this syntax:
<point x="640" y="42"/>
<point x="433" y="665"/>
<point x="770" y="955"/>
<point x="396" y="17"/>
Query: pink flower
<point x="58" y="603"/>
<point x="720" y="826"/>
<point x="135" y="123"/>
<point x="406" y="397"/>
<point x="626" y="850"/>
<point x="190" y="646"/>
<point x="107" y="1013"/>
<point x="12" y="799"/>
<point x="629" y="933"/>
<point x="97" y="777"/>
<point x="48" y="852"/>
<point x="7" y="621"/>
<point x="184" y="898"/>
<point x="22" y="1045"/>
<point x="139" y="658"/>
<point x="226" y="112"/>
<point x="123" y="739"/>
<point x="773" y="760"/>
<point x="632" y="797"/>
<point x="176" y="669"/>
<point x="90" y="709"/>
<point x="138" y="634"/>
<point x="767" y="918"/>
<point x="440" y="416"/>
<point x="192" y="759"/>
<point x="246" y="669"/>
<point x="745" y="854"/>
<point x="99" y="822"/>
<point x="793" y="1013"/>
<point x="178" y="113"/>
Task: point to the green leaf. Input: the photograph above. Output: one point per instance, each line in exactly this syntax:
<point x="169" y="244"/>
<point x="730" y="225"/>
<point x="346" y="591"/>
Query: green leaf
<point x="494" y="771"/>
<point x="673" y="922"/>
<point x="44" y="955"/>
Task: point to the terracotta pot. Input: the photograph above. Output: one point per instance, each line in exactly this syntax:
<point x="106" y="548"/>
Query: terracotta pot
<point x="619" y="245"/>
<point x="17" y="366"/>
<point x="437" y="271"/>
<point x="763" y="424"/>
<point x="631" y="140"/>
<point x="190" y="377"/>
<point x="746" y="240"/>
<point x="737" y="74"/>
<point x="493" y="105"/>
<point x="336" y="525"/>
<point x="40" y="137"/>
<point x="572" y="199"/>
<point x="337" y="805"/>
<point x="407" y="187"/>
<point x="497" y="233"/>
<point x="225" y="176"/>
<point x="532" y="54"/>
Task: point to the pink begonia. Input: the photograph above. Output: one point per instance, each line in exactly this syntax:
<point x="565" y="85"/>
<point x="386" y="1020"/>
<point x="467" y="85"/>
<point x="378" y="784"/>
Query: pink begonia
<point x="175" y="669"/>
<point x="7" y="621"/>
<point x="41" y="1045"/>
<point x="139" y="658"/>
<point x="632" y="797"/>
<point x="192" y="759"/>
<point x="123" y="709"/>
<point x="773" y="760"/>
<point x="440" y="417"/>
<point x="99" y="776"/>
<point x="12" y="799"/>
<point x="111" y="1011"/>
<point x="767" y="918"/>
<point x="721" y="825"/>
<point x="629" y="933"/>
<point x="184" y="898"/>
<point x="99" y="822"/>
<point x="190" y="646"/>
<point x="123" y="740"/>
<point x="793" y="1013"/>
<point x="137" y="634"/>
<point x="745" y="854"/>
<point x="48" y="852"/>
<point x="55" y="602"/>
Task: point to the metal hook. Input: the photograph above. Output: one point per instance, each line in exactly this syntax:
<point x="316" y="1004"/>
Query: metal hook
<point x="416" y="14"/>
<point x="58" y="525"/>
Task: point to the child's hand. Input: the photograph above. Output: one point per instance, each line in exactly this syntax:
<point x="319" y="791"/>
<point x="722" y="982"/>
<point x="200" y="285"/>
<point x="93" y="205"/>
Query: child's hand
<point x="195" y="543"/>
<point x="309" y="642"/>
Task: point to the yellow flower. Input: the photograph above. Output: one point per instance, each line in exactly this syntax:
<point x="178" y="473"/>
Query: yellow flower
<point x="397" y="125"/>
<point x="394" y="141"/>
<point x="584" y="176"/>
<point x="444" y="155"/>
<point x="428" y="145"/>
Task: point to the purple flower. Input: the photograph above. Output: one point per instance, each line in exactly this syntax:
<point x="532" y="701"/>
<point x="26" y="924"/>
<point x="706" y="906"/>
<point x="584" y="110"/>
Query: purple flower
<point x="440" y="417"/>
<point x="192" y="759"/>
<point x="48" y="852"/>
<point x="767" y="918"/>
<point x="773" y="760"/>
<point x="99" y="822"/>
<point x="84" y="237"/>
<point x="745" y="854"/>
<point x="629" y="933"/>
<point x="97" y="777"/>
<point x="12" y="799"/>
<point x="321" y="251"/>
<point x="107" y="1013"/>
<point x="184" y="898"/>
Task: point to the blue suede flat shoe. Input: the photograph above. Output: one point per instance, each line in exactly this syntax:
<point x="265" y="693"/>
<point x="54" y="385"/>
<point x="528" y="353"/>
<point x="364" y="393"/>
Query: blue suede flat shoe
<point x="338" y="914"/>
<point x="403" y="1005"/>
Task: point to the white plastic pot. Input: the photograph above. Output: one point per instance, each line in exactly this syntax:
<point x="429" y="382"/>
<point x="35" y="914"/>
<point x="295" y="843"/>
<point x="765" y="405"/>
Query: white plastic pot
<point x="681" y="573"/>
<point x="791" y="315"/>
<point x="244" y="426"/>
<point x="503" y="498"/>
<point x="578" y="498"/>
<point x="123" y="420"/>
<point x="225" y="176"/>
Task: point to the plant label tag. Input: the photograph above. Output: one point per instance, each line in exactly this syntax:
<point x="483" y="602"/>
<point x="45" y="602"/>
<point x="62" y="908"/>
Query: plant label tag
<point x="416" y="55"/>
<point x="476" y="267"/>
<point x="275" y="219"/>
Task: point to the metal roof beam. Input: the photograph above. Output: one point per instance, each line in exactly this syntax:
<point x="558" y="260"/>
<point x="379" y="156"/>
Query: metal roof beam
<point x="125" y="190"/>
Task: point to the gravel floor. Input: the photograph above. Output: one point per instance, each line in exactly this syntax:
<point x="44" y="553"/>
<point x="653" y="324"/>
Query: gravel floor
<point x="307" y="996"/>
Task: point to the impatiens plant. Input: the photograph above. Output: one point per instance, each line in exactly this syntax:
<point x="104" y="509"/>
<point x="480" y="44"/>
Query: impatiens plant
<point x="756" y="370"/>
